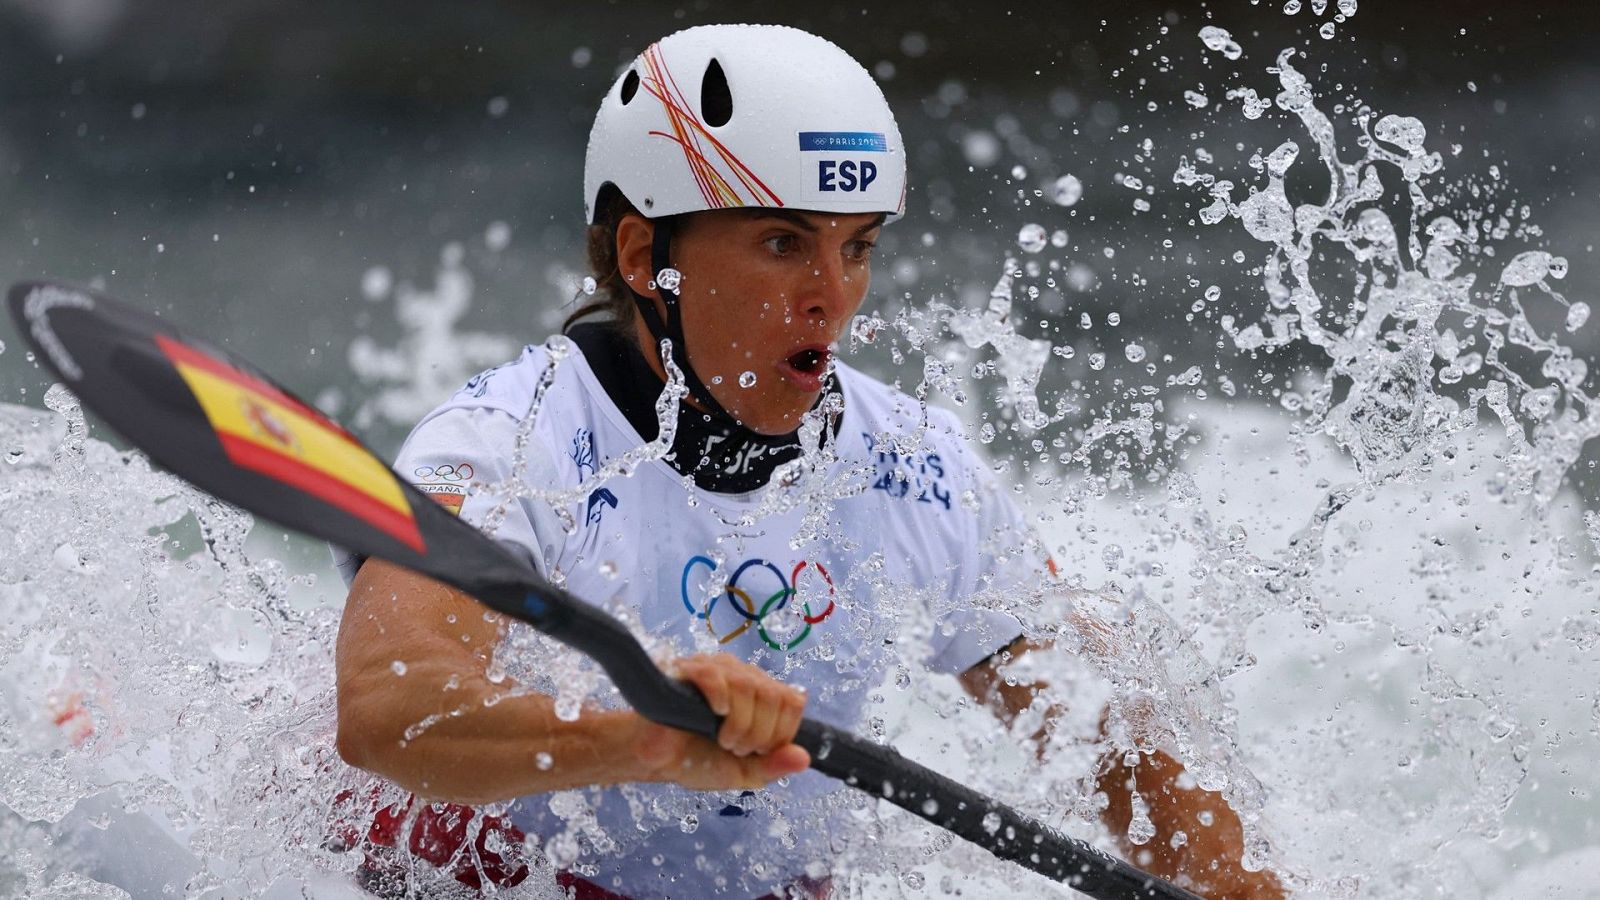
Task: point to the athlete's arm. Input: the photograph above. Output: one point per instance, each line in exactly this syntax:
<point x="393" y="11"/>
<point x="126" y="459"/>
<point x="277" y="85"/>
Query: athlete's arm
<point x="1208" y="854"/>
<point x="415" y="705"/>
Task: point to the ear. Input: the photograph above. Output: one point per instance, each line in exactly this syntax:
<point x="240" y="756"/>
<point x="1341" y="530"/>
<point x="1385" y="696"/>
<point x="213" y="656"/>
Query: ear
<point x="634" y="235"/>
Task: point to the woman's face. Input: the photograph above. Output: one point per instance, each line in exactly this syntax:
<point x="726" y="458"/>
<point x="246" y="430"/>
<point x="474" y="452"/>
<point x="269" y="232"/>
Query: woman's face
<point x="766" y="295"/>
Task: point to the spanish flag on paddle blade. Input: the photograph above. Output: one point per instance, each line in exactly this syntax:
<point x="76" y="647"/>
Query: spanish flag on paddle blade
<point x="270" y="433"/>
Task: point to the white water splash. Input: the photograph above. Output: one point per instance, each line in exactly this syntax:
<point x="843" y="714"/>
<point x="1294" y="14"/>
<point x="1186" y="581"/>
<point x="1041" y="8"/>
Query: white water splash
<point x="432" y="358"/>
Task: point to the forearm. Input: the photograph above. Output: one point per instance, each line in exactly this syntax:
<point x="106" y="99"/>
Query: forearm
<point x="447" y="736"/>
<point x="416" y="704"/>
<point x="1192" y="832"/>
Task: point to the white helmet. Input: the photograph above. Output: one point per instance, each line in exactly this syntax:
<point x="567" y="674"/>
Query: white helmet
<point x="723" y="116"/>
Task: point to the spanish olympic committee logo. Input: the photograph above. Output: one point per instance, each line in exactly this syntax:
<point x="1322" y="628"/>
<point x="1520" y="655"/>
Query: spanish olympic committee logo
<point x="759" y="596"/>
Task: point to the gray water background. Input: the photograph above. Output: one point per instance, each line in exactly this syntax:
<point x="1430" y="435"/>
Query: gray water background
<point x="239" y="165"/>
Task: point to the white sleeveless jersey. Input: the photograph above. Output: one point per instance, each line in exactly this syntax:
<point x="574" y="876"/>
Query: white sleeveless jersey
<point x="904" y="510"/>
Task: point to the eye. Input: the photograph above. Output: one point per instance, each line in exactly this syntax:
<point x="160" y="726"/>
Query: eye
<point x="782" y="244"/>
<point x="859" y="251"/>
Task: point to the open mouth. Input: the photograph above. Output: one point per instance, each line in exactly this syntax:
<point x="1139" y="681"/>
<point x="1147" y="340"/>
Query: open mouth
<point x="809" y="361"/>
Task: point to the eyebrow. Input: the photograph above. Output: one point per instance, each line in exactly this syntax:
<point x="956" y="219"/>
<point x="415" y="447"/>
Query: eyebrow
<point x="798" y="220"/>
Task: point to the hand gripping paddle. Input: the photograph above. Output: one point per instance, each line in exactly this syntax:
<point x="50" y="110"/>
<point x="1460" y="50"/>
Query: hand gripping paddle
<point x="216" y="421"/>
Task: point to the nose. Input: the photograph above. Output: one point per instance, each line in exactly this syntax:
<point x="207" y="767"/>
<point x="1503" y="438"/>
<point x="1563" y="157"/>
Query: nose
<point x="829" y="291"/>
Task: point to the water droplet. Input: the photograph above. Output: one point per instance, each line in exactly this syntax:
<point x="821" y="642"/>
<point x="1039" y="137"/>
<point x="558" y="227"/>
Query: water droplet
<point x="1097" y="361"/>
<point x="1404" y="132"/>
<point x="1526" y="269"/>
<point x="1249" y="338"/>
<point x="498" y="236"/>
<point x="589" y="286"/>
<point x="1067" y="190"/>
<point x="747" y="379"/>
<point x="1281" y="159"/>
<point x="397" y="667"/>
<point x="1085" y="322"/>
<point x="1058" y="238"/>
<point x="991" y="822"/>
<point x="543" y="760"/>
<point x="375" y="283"/>
<point x="1032" y="238"/>
<point x="562" y="850"/>
<point x="980" y="148"/>
<point x="1327" y="31"/>
<point x="568" y="709"/>
<point x="669" y="279"/>
<point x="1018" y="173"/>
<point x="1140" y="828"/>
<point x="1577" y="314"/>
<point x="1134" y="352"/>
<point x="986" y="433"/>
<point x="689" y="824"/>
<point x="1213" y="293"/>
<point x="1221" y="41"/>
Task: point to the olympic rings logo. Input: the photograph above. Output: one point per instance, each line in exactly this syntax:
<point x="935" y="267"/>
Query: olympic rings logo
<point x="430" y="474"/>
<point x="756" y="615"/>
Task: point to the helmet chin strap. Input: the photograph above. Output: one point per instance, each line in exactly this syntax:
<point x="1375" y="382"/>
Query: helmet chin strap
<point x="672" y="328"/>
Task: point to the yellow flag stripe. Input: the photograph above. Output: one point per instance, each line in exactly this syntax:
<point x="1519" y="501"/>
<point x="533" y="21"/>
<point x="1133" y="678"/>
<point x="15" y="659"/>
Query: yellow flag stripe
<point x="254" y="417"/>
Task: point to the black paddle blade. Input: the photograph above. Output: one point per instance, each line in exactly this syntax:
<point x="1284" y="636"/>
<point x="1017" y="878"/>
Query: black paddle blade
<point x="214" y="420"/>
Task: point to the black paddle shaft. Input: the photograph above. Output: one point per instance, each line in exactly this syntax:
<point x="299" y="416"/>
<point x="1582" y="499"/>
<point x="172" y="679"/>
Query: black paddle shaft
<point x="123" y="364"/>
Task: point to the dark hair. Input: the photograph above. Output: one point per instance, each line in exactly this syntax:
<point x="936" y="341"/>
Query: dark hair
<point x="610" y="298"/>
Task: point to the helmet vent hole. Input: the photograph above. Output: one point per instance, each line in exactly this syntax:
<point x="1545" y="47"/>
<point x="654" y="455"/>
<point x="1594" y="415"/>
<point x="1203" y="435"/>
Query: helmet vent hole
<point x="716" y="101"/>
<point x="630" y="86"/>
